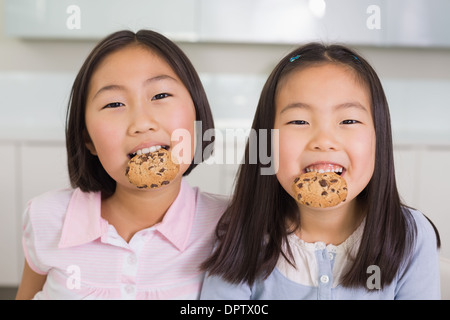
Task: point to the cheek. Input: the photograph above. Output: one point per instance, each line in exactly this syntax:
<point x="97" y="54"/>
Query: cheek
<point x="363" y="163"/>
<point x="183" y="137"/>
<point x="99" y="134"/>
<point x="290" y="148"/>
<point x="364" y="151"/>
<point x="104" y="138"/>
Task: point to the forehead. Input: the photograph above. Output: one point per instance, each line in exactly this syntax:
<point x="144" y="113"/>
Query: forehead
<point x="323" y="84"/>
<point x="132" y="60"/>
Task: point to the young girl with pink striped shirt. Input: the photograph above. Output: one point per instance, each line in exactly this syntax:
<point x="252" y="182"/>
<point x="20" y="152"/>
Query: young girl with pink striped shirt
<point x="107" y="238"/>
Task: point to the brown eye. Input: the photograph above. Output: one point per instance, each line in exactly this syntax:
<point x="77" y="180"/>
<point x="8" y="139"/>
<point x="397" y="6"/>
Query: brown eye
<point x="160" y="96"/>
<point x="114" y="105"/>
<point x="350" y="122"/>
<point x="298" y="122"/>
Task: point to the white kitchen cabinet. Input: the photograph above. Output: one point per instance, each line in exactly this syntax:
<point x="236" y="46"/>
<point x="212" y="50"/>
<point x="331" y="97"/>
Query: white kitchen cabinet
<point x="290" y="21"/>
<point x="28" y="169"/>
<point x="434" y="191"/>
<point x="363" y="22"/>
<point x="9" y="224"/>
<point x="407" y="164"/>
<point x="217" y="173"/>
<point x="43" y="168"/>
<point x="85" y="19"/>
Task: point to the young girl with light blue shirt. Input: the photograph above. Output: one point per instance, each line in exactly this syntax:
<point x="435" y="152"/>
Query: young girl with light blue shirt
<point x="329" y="113"/>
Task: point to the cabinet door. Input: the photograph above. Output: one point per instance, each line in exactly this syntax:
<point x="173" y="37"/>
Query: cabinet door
<point x="9" y="221"/>
<point x="434" y="192"/>
<point x="43" y="168"/>
<point x="407" y="163"/>
<point x="56" y="19"/>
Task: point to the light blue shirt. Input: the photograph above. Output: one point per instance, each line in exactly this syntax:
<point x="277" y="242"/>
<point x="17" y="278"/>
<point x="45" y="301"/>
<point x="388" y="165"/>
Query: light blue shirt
<point x="418" y="279"/>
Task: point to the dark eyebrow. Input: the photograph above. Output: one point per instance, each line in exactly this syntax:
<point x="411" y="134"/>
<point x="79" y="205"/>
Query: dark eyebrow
<point x="352" y="104"/>
<point x="345" y="105"/>
<point x="296" y="105"/>
<point x="116" y="87"/>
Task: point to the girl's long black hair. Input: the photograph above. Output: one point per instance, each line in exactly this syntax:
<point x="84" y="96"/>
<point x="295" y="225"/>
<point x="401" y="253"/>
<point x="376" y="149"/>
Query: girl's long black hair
<point x="252" y="231"/>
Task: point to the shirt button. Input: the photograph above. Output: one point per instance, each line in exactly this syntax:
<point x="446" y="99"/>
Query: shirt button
<point x="129" y="289"/>
<point x="324" y="279"/>
<point x="132" y="259"/>
<point x="330" y="256"/>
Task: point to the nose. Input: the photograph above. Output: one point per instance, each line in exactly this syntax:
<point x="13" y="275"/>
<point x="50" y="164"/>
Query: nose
<point x="142" y="119"/>
<point x="323" y="140"/>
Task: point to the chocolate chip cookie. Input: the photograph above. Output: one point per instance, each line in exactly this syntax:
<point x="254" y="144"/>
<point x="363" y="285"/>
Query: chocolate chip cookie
<point x="152" y="170"/>
<point x="320" y="190"/>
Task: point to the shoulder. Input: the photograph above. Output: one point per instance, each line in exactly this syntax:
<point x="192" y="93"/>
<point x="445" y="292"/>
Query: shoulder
<point x="418" y="277"/>
<point x="423" y="236"/>
<point x="210" y="201"/>
<point x="49" y="210"/>
<point x="209" y="207"/>
<point x="42" y="224"/>
<point x="50" y="204"/>
<point x="424" y="230"/>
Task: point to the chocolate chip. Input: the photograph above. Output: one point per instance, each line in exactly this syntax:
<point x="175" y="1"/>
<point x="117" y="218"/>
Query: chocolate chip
<point x="296" y="179"/>
<point x="324" y="193"/>
<point x="165" y="182"/>
<point x="333" y="180"/>
<point x="299" y="196"/>
<point x="323" y="183"/>
<point x="300" y="185"/>
<point x="154" y="185"/>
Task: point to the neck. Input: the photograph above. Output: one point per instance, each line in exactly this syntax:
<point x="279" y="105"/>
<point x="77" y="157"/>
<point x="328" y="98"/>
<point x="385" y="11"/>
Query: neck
<point x="130" y="211"/>
<point x="331" y="225"/>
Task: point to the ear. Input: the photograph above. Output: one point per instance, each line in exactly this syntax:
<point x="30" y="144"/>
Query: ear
<point x="89" y="145"/>
<point x="91" y="148"/>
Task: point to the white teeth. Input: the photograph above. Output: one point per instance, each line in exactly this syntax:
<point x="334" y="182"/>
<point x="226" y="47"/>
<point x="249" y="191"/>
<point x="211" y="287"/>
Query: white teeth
<point x="148" y="150"/>
<point x="326" y="170"/>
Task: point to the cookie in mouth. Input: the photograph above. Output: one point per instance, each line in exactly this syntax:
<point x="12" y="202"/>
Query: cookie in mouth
<point x="153" y="169"/>
<point x="320" y="189"/>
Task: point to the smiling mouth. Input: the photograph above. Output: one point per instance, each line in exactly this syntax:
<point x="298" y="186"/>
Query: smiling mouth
<point x="325" y="167"/>
<point x="148" y="150"/>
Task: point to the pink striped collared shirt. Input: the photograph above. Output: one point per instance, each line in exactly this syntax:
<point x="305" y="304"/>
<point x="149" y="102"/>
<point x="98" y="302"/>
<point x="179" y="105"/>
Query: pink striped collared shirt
<point x="83" y="256"/>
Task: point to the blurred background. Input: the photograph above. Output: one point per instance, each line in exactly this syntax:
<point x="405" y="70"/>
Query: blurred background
<point x="234" y="44"/>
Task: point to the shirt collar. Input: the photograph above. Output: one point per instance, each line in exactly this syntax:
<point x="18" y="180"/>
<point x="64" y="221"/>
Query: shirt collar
<point x="83" y="222"/>
<point x="177" y="222"/>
